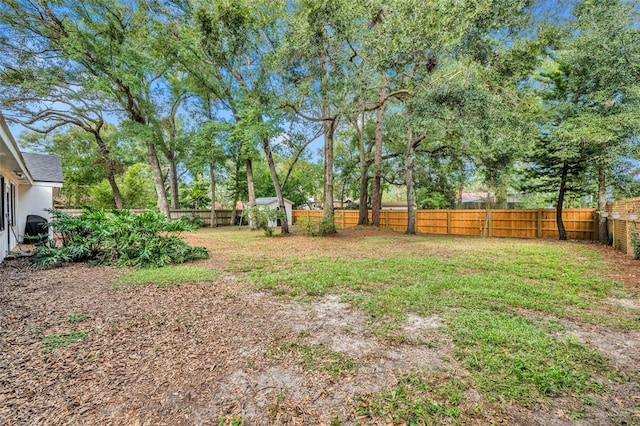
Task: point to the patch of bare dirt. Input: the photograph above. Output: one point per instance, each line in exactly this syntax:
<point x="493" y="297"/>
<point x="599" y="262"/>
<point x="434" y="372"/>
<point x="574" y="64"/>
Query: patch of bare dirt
<point x="621" y="267"/>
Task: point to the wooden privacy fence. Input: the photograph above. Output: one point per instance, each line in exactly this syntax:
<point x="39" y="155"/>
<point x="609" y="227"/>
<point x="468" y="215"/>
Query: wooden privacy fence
<point x="580" y="224"/>
<point x="223" y="217"/>
<point x="622" y="222"/>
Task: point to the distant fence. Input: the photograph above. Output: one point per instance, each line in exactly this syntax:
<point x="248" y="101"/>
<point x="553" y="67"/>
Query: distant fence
<point x="622" y="222"/>
<point x="223" y="217"/>
<point x="580" y="224"/>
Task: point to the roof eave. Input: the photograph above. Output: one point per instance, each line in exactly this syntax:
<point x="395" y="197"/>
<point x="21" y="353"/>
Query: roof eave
<point x="14" y="150"/>
<point x="49" y="184"/>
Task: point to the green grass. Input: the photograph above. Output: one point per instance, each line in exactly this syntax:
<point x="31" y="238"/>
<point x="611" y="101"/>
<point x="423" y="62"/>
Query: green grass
<point x="517" y="360"/>
<point x="230" y="421"/>
<point x="417" y="399"/>
<point x="489" y="292"/>
<point x="74" y="317"/>
<point x="63" y="339"/>
<point x="167" y="276"/>
<point x="538" y="277"/>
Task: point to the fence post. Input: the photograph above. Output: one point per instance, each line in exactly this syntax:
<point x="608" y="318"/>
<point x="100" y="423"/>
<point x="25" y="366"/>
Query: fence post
<point x="342" y="211"/>
<point x="448" y="222"/>
<point x="539" y="224"/>
<point x="490" y="213"/>
<point x="613" y="232"/>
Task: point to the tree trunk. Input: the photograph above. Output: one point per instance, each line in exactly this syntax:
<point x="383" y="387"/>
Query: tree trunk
<point x="236" y="193"/>
<point x="171" y="153"/>
<point x="252" y="191"/>
<point x="212" y="176"/>
<point x="117" y="197"/>
<point x="411" y="214"/>
<point x="363" y="209"/>
<point x="487" y="213"/>
<point x="284" y="225"/>
<point x="327" y="198"/>
<point x="173" y="179"/>
<point x="111" y="168"/>
<point x="460" y="187"/>
<point x="502" y="195"/>
<point x="561" y="193"/>
<point x="376" y="191"/>
<point x="158" y="181"/>
<point x="603" y="234"/>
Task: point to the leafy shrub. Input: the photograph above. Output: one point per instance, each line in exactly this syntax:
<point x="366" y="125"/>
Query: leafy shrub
<point x="119" y="238"/>
<point x="317" y="228"/>
<point x="635" y="242"/>
<point x="262" y="216"/>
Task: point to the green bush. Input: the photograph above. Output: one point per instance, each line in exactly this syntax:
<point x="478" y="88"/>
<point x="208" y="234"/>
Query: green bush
<point x="323" y="227"/>
<point x="635" y="242"/>
<point x="261" y="216"/>
<point x="117" y="237"/>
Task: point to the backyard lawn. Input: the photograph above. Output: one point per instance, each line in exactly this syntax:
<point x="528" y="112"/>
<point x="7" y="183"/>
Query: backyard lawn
<point x="367" y="327"/>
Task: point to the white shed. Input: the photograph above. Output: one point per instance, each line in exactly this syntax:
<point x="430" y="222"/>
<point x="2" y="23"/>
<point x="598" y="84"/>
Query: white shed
<point x="272" y="203"/>
<point x="27" y="184"/>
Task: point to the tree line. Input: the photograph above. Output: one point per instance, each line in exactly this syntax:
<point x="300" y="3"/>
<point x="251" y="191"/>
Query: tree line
<point x="165" y="101"/>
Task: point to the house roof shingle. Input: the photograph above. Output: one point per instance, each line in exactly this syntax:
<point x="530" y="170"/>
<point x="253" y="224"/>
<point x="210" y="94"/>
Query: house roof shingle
<point x="43" y="167"/>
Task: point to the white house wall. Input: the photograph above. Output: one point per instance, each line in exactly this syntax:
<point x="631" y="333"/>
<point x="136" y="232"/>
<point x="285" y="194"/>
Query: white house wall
<point x="33" y="200"/>
<point x="6" y="232"/>
<point x="8" y="235"/>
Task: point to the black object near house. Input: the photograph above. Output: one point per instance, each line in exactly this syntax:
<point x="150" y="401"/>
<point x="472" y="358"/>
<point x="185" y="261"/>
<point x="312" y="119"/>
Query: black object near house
<point x="35" y="230"/>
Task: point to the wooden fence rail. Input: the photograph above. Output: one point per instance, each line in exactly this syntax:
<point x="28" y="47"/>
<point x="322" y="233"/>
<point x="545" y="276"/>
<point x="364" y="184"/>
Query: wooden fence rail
<point x="535" y="223"/>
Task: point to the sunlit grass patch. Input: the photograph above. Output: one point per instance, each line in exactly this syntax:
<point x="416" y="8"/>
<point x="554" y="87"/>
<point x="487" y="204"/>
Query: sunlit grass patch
<point x="535" y="277"/>
<point x="516" y="360"/>
<point x="167" y="276"/>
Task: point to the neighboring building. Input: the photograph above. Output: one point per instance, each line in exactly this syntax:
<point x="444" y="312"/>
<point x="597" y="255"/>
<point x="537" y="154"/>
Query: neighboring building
<point x="272" y="203"/>
<point x="27" y="186"/>
<point x="478" y="200"/>
<point x="396" y="205"/>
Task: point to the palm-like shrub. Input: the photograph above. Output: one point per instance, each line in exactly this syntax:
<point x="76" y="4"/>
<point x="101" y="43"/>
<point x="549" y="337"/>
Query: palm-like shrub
<point x="117" y="237"/>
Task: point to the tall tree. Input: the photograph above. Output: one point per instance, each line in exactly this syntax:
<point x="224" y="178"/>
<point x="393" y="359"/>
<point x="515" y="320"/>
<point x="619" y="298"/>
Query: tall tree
<point x="589" y="91"/>
<point x="314" y="59"/>
<point x="44" y="96"/>
<point x="108" y="40"/>
<point x="600" y="67"/>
